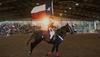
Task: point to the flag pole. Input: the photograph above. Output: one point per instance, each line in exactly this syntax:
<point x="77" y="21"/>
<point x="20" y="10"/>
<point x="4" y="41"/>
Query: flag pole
<point x="52" y="7"/>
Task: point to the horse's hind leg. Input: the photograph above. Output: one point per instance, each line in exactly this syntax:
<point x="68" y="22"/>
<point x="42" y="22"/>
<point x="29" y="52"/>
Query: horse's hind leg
<point x="53" y="48"/>
<point x="33" y="45"/>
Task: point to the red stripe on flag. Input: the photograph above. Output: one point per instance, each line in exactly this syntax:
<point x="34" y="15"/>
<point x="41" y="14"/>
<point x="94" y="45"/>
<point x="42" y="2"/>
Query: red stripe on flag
<point x="39" y="15"/>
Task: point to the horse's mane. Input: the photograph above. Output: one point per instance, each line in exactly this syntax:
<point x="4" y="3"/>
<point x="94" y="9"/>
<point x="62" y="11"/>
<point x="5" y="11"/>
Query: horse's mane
<point x="63" y="30"/>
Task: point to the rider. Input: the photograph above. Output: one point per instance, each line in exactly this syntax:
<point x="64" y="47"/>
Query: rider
<point x="51" y="29"/>
<point x="54" y="39"/>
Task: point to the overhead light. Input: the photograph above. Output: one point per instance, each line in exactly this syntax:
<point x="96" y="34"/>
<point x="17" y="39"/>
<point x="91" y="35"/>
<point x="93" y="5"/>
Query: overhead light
<point x="65" y="11"/>
<point x="77" y="4"/>
<point x="60" y="14"/>
<point x="0" y="4"/>
<point x="37" y="3"/>
<point x="70" y="8"/>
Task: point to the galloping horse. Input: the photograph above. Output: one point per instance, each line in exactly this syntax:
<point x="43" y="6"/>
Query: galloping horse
<point x="58" y="38"/>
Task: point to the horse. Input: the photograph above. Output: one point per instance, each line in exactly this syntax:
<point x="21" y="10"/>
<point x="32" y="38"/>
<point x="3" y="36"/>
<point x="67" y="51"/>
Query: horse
<point x="56" y="40"/>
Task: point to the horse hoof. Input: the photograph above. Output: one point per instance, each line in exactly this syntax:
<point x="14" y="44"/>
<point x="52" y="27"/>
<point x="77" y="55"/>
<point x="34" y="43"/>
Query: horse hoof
<point x="49" y="53"/>
<point x="57" y="54"/>
<point x="29" y="53"/>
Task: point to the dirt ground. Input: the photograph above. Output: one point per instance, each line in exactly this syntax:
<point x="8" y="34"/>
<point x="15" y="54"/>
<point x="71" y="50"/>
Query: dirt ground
<point x="77" y="45"/>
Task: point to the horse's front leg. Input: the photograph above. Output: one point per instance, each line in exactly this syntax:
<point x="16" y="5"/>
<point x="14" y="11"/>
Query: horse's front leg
<point x="57" y="50"/>
<point x="54" y="50"/>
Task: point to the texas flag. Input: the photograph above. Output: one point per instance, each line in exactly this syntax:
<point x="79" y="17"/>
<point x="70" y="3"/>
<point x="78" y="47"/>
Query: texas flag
<point x="43" y="10"/>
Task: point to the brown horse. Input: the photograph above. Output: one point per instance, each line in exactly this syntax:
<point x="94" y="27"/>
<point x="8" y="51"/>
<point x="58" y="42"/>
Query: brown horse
<point x="56" y="40"/>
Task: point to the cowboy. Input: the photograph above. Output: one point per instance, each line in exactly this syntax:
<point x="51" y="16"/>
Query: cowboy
<point x="51" y="30"/>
